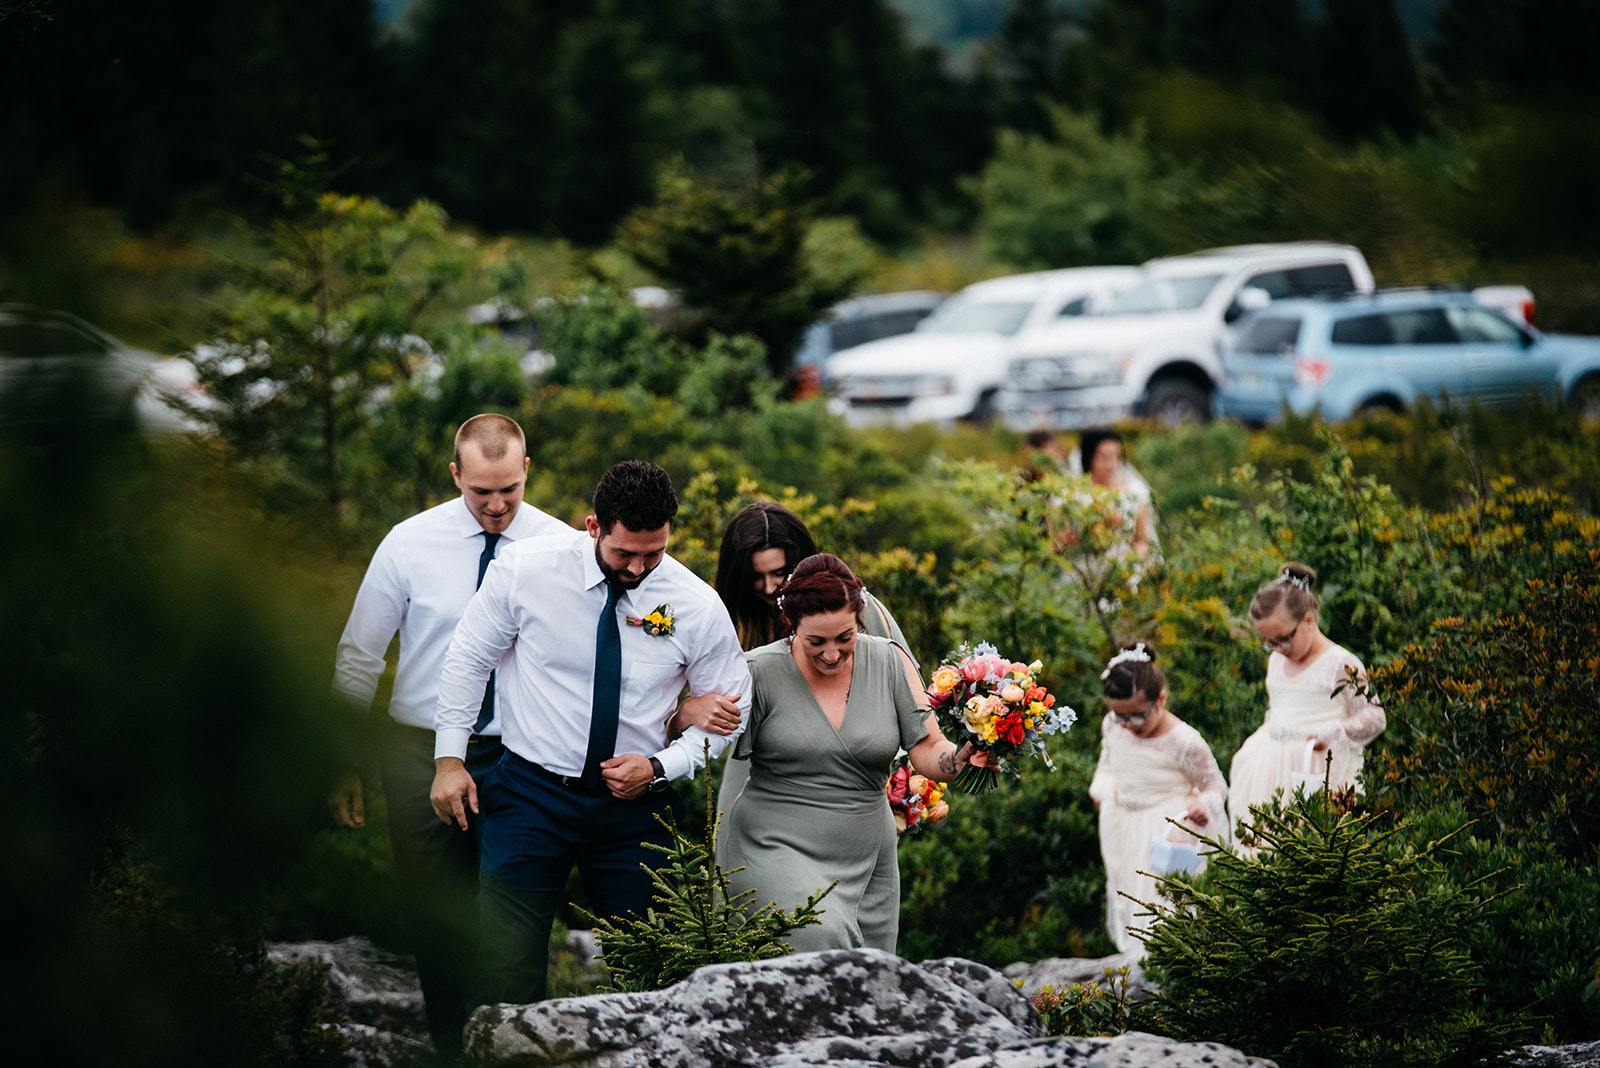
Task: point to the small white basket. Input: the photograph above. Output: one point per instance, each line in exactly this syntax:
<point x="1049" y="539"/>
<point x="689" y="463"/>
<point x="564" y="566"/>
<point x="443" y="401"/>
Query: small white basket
<point x="1312" y="772"/>
<point x="1168" y="856"/>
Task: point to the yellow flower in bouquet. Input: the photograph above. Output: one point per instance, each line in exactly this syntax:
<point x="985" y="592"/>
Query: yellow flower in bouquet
<point x="945" y="679"/>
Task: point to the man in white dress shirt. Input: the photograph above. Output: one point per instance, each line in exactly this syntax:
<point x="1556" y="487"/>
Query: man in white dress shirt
<point x="420" y="579"/>
<point x="587" y="761"/>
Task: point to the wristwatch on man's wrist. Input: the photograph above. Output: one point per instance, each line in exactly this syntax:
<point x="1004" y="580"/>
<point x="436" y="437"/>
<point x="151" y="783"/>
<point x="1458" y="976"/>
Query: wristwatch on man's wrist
<point x="658" y="781"/>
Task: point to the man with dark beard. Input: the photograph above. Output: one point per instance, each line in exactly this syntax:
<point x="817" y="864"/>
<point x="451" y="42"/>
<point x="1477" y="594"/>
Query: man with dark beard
<point x="603" y="629"/>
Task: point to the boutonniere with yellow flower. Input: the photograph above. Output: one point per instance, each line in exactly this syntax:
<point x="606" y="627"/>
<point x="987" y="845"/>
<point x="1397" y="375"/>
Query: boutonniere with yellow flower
<point x="657" y="624"/>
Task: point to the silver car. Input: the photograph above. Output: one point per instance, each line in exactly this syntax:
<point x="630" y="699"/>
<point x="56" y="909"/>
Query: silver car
<point x="40" y="341"/>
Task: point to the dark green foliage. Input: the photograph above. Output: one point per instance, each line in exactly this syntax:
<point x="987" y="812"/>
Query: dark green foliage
<point x="695" y="920"/>
<point x="1538" y="940"/>
<point x="739" y="259"/>
<point x="1012" y="875"/>
<point x="322" y="367"/>
<point x="168" y="748"/>
<point x="601" y="340"/>
<point x="1497" y="713"/>
<point x="1344" y="943"/>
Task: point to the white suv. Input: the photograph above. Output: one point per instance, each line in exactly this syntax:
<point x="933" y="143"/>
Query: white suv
<point x="954" y="362"/>
<point x="1156" y="350"/>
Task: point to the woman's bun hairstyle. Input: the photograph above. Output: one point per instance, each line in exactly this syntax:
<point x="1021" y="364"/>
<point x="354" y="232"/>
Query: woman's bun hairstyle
<point x="1291" y="590"/>
<point x="1131" y="671"/>
<point x="819" y="583"/>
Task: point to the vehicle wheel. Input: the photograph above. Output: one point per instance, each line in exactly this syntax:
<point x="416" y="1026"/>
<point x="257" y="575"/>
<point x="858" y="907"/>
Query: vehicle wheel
<point x="1584" y="399"/>
<point x="1174" y="401"/>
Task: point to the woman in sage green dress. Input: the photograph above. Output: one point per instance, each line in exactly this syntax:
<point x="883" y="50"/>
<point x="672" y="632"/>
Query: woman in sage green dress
<point x="830" y="710"/>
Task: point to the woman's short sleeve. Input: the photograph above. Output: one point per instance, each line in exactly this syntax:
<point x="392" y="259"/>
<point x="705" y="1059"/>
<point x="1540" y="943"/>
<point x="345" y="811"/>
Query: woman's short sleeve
<point x="911" y="713"/>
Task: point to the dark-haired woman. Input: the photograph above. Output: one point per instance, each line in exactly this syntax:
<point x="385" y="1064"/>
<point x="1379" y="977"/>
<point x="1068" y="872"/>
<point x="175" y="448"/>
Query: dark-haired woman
<point x="1152" y="766"/>
<point x="1303" y="671"/>
<point x="830" y="709"/>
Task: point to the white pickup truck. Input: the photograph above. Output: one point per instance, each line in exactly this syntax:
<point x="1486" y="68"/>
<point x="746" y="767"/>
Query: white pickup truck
<point x="952" y="365"/>
<point x="1156" y="349"/>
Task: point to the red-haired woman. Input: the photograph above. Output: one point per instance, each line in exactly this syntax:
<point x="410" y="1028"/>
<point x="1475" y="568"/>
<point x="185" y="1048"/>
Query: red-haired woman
<point x="830" y="710"/>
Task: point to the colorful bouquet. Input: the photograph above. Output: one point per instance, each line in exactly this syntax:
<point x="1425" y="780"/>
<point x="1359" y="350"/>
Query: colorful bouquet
<point x="915" y="800"/>
<point x="998" y="707"/>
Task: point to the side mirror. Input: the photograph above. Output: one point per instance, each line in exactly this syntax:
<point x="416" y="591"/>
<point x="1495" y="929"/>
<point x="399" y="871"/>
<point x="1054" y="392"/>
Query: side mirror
<point x="1250" y="298"/>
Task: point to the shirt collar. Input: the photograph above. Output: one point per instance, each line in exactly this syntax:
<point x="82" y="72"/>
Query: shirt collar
<point x="468" y="527"/>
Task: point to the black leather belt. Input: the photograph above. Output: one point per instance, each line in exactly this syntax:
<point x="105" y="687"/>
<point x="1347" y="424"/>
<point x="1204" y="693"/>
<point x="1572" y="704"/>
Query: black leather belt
<point x="569" y="782"/>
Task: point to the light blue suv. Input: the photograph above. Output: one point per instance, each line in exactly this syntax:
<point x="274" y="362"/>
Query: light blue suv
<point x="1387" y="350"/>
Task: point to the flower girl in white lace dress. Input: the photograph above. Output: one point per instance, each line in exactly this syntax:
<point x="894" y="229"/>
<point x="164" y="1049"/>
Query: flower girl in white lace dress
<point x="1305" y="668"/>
<point x="1152" y="766"/>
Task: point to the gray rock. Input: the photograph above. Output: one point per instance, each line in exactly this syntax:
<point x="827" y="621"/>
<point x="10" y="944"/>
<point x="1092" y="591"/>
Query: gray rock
<point x="1579" y="1055"/>
<point x="1062" y="972"/>
<point x="840" y="1007"/>
<point x="372" y="1048"/>
<point x="1132" y="1050"/>
<point x="369" y="984"/>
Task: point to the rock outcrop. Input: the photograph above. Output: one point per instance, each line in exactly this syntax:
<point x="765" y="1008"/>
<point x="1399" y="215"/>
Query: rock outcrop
<point x="846" y="1008"/>
<point x="1578" y="1055"/>
<point x="366" y="983"/>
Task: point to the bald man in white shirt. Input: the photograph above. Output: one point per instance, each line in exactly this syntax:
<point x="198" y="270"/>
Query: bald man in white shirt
<point x="419" y="581"/>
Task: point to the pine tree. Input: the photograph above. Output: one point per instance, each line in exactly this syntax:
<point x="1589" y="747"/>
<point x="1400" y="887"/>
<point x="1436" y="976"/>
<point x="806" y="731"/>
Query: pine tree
<point x="1343" y="943"/>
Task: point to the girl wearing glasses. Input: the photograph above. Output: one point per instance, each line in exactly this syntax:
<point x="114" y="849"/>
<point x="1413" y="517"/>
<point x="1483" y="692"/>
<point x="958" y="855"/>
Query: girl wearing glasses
<point x="1152" y="766"/>
<point x="1303" y="671"/>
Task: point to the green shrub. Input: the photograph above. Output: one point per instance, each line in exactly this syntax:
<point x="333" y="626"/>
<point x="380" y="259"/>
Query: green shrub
<point x="1498" y="713"/>
<point x="1091" y="1008"/>
<point x="1538" y="939"/>
<point x="1343" y="943"/>
<point x="1014" y="874"/>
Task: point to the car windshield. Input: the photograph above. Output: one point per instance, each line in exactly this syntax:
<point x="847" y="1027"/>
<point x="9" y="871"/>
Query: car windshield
<point x="965" y="315"/>
<point x="1164" y="295"/>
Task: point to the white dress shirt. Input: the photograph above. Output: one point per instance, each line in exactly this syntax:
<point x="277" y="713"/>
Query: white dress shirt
<point x="420" y="579"/>
<point x="542" y="601"/>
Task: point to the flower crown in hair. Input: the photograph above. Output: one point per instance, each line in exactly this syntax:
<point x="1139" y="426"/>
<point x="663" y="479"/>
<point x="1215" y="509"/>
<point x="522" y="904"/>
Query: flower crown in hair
<point x="1300" y="582"/>
<point x="1136" y="655"/>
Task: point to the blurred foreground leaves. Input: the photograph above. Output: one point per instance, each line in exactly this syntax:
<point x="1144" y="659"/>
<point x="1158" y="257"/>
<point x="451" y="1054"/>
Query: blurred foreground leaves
<point x="166" y="750"/>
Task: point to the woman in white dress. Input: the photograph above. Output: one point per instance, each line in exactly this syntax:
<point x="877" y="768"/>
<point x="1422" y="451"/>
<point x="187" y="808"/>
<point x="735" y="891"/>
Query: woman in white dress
<point x="1152" y="766"/>
<point x="1304" y="712"/>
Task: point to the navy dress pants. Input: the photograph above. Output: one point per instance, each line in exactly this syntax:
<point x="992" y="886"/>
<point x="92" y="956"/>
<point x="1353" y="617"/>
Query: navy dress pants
<point x="535" y="831"/>
<point x="437" y="869"/>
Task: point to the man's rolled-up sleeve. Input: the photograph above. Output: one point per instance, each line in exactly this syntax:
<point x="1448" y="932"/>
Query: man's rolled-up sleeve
<point x="718" y="667"/>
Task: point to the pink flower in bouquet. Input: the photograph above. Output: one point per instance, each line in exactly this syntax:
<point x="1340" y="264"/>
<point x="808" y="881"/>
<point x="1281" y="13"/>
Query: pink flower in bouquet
<point x="897" y="786"/>
<point x="997" y="707"/>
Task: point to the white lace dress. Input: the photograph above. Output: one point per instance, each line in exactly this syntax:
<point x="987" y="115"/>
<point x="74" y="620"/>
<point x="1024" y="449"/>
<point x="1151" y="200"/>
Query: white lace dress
<point x="1300" y="708"/>
<point x="1138" y="784"/>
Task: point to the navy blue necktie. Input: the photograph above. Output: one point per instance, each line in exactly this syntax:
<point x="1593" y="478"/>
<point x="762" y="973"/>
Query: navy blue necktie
<point x="486" y="713"/>
<point x="607" y="705"/>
